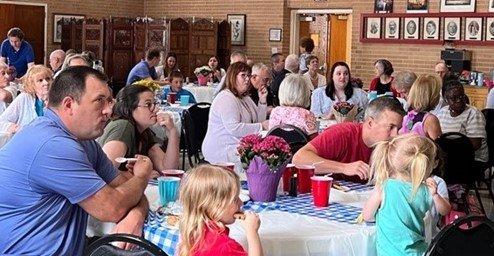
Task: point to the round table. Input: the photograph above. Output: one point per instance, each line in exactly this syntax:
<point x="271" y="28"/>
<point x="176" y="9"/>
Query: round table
<point x="202" y="93"/>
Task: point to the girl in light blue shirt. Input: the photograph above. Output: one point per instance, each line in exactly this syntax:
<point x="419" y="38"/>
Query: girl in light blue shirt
<point x="403" y="194"/>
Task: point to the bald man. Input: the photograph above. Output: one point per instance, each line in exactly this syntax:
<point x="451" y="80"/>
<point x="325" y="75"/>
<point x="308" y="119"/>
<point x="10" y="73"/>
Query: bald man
<point x="57" y="58"/>
<point x="441" y="69"/>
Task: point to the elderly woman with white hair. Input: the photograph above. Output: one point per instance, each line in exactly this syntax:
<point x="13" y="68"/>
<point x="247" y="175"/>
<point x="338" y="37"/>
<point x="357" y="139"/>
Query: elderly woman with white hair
<point x="292" y="63"/>
<point x="74" y="60"/>
<point x="294" y="95"/>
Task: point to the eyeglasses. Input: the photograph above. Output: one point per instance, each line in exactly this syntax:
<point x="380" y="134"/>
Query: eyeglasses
<point x="105" y="102"/>
<point x="455" y="98"/>
<point x="150" y="105"/>
<point x="245" y="76"/>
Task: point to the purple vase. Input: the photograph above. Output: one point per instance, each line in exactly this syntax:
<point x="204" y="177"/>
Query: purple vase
<point x="263" y="183"/>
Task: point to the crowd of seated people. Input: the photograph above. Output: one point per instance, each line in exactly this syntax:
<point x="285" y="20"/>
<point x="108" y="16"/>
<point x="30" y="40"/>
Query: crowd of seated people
<point x="95" y="129"/>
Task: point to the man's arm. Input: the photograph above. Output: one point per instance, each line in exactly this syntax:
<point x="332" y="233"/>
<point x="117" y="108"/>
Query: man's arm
<point x="113" y="203"/>
<point x="308" y="155"/>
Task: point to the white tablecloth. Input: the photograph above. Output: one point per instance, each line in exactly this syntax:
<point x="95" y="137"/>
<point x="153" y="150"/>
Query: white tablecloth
<point x="202" y="93"/>
<point x="284" y="233"/>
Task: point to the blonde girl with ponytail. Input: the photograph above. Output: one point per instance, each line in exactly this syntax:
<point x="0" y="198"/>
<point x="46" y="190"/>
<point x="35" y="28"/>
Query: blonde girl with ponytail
<point x="210" y="199"/>
<point x="403" y="193"/>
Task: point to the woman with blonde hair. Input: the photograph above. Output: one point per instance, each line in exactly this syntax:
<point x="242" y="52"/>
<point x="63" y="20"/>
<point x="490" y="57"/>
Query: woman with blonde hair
<point x="403" y="194"/>
<point x="30" y="103"/>
<point x="210" y="199"/>
<point x="294" y="95"/>
<point x="422" y="98"/>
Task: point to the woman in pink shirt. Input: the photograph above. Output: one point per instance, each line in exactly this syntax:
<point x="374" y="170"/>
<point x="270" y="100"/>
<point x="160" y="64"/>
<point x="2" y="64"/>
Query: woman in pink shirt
<point x="294" y="95"/>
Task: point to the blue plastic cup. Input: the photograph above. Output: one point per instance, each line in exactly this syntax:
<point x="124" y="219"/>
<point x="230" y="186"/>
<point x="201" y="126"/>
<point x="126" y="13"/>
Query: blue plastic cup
<point x="372" y="95"/>
<point x="168" y="189"/>
<point x="184" y="100"/>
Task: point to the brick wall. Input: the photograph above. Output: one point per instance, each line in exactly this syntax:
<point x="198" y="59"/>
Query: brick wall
<point x="261" y="16"/>
<point x="93" y="8"/>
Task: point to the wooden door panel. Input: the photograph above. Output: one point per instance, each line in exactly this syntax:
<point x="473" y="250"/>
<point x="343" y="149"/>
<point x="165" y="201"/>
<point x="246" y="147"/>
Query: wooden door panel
<point x="93" y="36"/>
<point x="223" y="44"/>
<point x="119" y="51"/>
<point x="203" y="42"/>
<point x="179" y="43"/>
<point x="139" y="40"/>
<point x="337" y="39"/>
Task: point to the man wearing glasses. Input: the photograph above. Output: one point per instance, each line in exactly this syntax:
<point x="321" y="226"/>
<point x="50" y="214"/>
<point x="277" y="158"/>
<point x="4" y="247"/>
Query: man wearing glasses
<point x="261" y="79"/>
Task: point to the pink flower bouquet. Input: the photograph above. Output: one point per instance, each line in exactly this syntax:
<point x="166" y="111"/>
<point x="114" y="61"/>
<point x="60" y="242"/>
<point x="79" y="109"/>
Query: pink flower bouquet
<point x="344" y="111"/>
<point x="264" y="161"/>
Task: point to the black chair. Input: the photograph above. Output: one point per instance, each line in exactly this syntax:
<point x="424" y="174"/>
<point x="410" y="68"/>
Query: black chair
<point x="103" y="247"/>
<point x="458" y="168"/>
<point x="293" y="135"/>
<point x="489" y="127"/>
<point x="194" y="128"/>
<point x="470" y="235"/>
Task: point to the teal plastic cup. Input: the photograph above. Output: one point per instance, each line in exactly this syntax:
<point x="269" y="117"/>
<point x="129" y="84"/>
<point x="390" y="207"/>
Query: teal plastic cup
<point x="184" y="100"/>
<point x="168" y="189"/>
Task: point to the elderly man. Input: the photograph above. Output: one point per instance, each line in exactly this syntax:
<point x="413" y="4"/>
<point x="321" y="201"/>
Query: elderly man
<point x="53" y="173"/>
<point x="346" y="148"/>
<point x="441" y="69"/>
<point x="260" y="80"/>
<point x="7" y="91"/>
<point x="292" y="63"/>
<point x="279" y="73"/>
<point x="403" y="83"/>
<point x="57" y="58"/>
<point x="15" y="51"/>
<point x="145" y="69"/>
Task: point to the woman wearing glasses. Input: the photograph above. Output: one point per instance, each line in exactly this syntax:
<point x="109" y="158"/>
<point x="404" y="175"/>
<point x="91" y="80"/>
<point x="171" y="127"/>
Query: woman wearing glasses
<point x="233" y="115"/>
<point x="128" y="133"/>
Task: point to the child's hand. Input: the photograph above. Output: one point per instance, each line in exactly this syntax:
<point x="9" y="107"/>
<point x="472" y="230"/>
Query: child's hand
<point x="251" y="222"/>
<point x="431" y="185"/>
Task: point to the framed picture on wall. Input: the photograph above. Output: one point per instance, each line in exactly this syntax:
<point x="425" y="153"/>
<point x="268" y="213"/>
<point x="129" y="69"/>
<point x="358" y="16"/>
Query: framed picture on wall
<point x="383" y="6"/>
<point x="275" y="34"/>
<point x="473" y="29"/>
<point x="411" y="28"/>
<point x="431" y="28"/>
<point x="57" y="24"/>
<point x="489" y="29"/>
<point x="392" y="28"/>
<point x="373" y="28"/>
<point x="457" y="5"/>
<point x="417" y="6"/>
<point x="237" y="23"/>
<point x="452" y="28"/>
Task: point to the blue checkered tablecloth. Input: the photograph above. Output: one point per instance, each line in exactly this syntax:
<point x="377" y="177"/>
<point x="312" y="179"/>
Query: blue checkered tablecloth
<point x="156" y="231"/>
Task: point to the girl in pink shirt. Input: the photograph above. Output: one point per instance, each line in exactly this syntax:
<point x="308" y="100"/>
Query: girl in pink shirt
<point x="210" y="199"/>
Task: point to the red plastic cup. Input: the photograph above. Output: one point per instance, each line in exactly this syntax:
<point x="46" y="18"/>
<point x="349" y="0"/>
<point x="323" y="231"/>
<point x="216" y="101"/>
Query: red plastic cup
<point x="287" y="174"/>
<point x="173" y="173"/>
<point x="228" y="166"/>
<point x="320" y="190"/>
<point x="304" y="172"/>
<point x="171" y="97"/>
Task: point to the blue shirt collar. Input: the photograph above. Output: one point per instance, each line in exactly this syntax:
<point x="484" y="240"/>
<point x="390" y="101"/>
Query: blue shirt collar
<point x="51" y="115"/>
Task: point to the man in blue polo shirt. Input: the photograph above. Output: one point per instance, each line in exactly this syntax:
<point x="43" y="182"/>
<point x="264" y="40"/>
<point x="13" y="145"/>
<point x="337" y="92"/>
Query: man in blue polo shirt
<point x="53" y="173"/>
<point x="145" y="68"/>
<point x="15" y="51"/>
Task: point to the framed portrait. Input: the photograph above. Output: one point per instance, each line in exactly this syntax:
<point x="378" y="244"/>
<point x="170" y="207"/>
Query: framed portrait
<point x="431" y="28"/>
<point x="57" y="24"/>
<point x="417" y="6"/>
<point x="457" y="5"/>
<point x="275" y="34"/>
<point x="411" y="28"/>
<point x="489" y="29"/>
<point x="491" y="5"/>
<point x="452" y="28"/>
<point x="373" y="28"/>
<point x="237" y="23"/>
<point x="383" y="6"/>
<point x="392" y="28"/>
<point x="473" y="29"/>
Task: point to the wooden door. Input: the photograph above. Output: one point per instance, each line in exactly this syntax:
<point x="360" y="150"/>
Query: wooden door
<point x="71" y="34"/>
<point x="304" y="29"/>
<point x="202" y="42"/>
<point x="119" y="58"/>
<point x="29" y="18"/>
<point x="179" y="44"/>
<point x="337" y="39"/>
<point x="156" y="32"/>
<point x="139" y="40"/>
<point x="93" y="36"/>
<point x="223" y="44"/>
